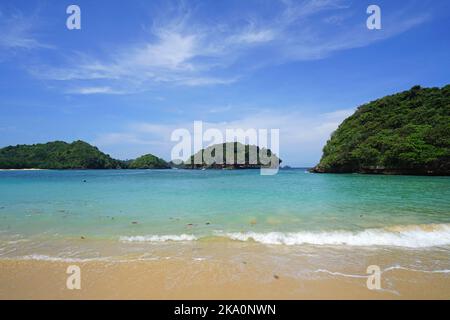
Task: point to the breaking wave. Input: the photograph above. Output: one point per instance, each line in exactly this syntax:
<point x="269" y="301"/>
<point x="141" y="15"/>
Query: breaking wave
<point x="42" y="257"/>
<point x="162" y="238"/>
<point x="416" y="236"/>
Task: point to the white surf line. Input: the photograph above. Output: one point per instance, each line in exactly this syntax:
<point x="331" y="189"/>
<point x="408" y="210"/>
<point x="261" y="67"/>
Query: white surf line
<point x="396" y="267"/>
<point x="356" y="276"/>
<point x="333" y="273"/>
<point x="412" y="237"/>
<point x="158" y="238"/>
<point x="415" y="270"/>
<point x="41" y="257"/>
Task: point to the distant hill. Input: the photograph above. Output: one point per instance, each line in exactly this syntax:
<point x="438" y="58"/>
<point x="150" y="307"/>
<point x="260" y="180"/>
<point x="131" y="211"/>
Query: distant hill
<point x="148" y="161"/>
<point x="241" y="151"/>
<point x="405" y="133"/>
<point x="56" y="155"/>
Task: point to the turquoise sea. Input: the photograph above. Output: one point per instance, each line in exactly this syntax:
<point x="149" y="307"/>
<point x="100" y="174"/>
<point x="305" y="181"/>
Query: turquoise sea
<point x="292" y="208"/>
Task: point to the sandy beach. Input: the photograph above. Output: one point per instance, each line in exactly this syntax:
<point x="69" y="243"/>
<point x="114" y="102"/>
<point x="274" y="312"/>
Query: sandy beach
<point x="223" y="275"/>
<point x="200" y="280"/>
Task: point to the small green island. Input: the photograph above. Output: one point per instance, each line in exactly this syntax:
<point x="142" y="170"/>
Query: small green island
<point x="148" y="161"/>
<point x="244" y="157"/>
<point x="61" y="155"/>
<point x="406" y="133"/>
<point x="75" y="155"/>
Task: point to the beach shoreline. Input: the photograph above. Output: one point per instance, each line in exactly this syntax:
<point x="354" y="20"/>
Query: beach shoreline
<point x="22" y="279"/>
<point x="211" y="235"/>
<point x="229" y="270"/>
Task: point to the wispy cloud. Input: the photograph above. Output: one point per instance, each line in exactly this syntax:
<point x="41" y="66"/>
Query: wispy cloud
<point x="18" y="32"/>
<point x="93" y="90"/>
<point x="171" y="58"/>
<point x="182" y="49"/>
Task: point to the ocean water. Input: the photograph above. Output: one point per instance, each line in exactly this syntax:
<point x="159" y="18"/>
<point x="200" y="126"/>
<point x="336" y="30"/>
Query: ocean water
<point x="293" y="208"/>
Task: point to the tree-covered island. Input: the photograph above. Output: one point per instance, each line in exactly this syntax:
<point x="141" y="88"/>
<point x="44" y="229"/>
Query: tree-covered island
<point x="404" y="133"/>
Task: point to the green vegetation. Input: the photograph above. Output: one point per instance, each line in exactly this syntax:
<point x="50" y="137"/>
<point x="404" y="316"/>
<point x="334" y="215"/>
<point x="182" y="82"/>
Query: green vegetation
<point x="405" y="133"/>
<point x="149" y="161"/>
<point x="56" y="155"/>
<point x="81" y="155"/>
<point x="244" y="157"/>
<point x="75" y="155"/>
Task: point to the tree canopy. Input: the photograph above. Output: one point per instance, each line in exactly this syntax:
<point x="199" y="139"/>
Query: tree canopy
<point x="404" y="133"/>
<point x="56" y="155"/>
<point x="75" y="155"/>
<point x="243" y="157"/>
<point x="148" y="161"/>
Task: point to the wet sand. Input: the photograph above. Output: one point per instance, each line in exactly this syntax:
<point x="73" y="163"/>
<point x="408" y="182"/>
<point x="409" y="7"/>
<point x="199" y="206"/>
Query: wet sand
<point x="223" y="276"/>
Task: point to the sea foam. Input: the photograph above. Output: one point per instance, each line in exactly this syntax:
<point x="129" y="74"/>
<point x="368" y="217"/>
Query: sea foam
<point x="43" y="257"/>
<point x="159" y="238"/>
<point x="411" y="236"/>
<point x="418" y="236"/>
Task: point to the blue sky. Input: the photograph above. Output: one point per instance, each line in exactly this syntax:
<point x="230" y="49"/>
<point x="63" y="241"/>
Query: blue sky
<point x="139" y="69"/>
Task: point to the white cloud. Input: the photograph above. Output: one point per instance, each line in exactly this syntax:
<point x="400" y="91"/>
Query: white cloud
<point x="169" y="59"/>
<point x="256" y="36"/>
<point x="301" y="136"/>
<point x="181" y="49"/>
<point x="173" y="51"/>
<point x="94" y="90"/>
<point x="18" y="32"/>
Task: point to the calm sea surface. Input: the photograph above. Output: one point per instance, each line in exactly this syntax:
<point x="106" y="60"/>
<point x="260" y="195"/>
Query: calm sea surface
<point x="292" y="208"/>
